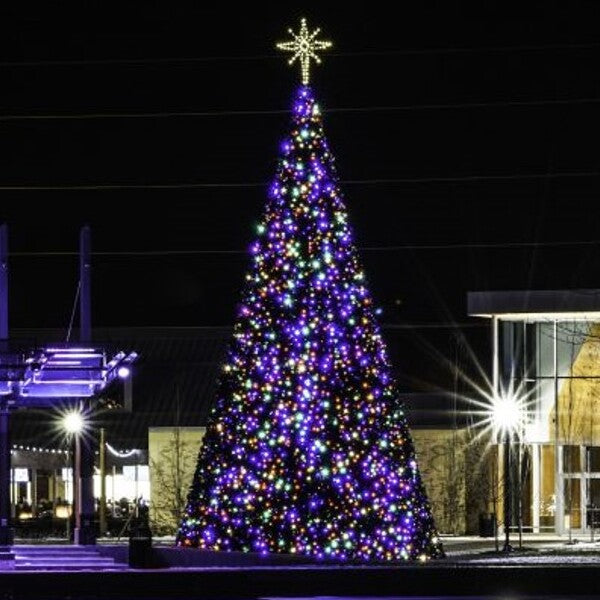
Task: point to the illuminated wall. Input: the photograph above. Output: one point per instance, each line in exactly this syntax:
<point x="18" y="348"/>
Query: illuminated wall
<point x="172" y="454"/>
<point x="579" y="396"/>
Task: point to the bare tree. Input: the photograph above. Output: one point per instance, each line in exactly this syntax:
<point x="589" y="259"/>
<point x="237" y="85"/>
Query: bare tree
<point x="482" y="481"/>
<point x="172" y="474"/>
<point x="453" y="506"/>
<point x="571" y="424"/>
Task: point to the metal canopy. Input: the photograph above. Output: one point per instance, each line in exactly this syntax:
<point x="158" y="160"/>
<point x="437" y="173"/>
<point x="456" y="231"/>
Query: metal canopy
<point x="536" y="305"/>
<point x="44" y="375"/>
<point x="50" y="375"/>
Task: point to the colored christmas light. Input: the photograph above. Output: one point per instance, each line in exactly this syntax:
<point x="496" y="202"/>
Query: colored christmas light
<point x="307" y="450"/>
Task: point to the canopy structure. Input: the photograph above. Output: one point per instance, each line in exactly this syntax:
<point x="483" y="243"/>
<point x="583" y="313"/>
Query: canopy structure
<point x="536" y="305"/>
<point x="34" y="376"/>
<point x="40" y="376"/>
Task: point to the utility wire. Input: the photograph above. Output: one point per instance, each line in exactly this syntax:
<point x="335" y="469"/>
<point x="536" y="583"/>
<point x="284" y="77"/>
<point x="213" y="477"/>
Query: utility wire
<point x="257" y="184"/>
<point x="246" y="58"/>
<point x="349" y="109"/>
<point x="74" y="309"/>
<point x="397" y="248"/>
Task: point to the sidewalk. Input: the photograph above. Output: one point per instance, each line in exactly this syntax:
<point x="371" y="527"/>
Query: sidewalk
<point x="534" y="549"/>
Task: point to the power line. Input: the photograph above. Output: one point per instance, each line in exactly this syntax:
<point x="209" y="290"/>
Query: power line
<point x="257" y="57"/>
<point x="256" y="184"/>
<point x="148" y="115"/>
<point x="349" y="109"/>
<point x="392" y="248"/>
<point x="450" y="325"/>
<point x="476" y="246"/>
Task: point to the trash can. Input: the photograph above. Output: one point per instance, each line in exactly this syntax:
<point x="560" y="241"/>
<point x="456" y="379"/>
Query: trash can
<point x="487" y="525"/>
<point x="140" y="548"/>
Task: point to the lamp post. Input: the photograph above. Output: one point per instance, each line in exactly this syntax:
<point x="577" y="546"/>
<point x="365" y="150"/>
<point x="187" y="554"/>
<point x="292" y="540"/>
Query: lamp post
<point x="507" y="418"/>
<point x="6" y="532"/>
<point x="507" y="491"/>
<point x="69" y="494"/>
<point x="102" y="460"/>
<point x="74" y="425"/>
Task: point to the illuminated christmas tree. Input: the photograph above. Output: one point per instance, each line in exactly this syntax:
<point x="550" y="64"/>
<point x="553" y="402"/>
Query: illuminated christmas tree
<point x="307" y="450"/>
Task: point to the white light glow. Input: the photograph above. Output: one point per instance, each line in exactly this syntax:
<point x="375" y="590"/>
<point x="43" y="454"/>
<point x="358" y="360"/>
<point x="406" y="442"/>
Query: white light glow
<point x="123" y="372"/>
<point x="125" y="454"/>
<point x="73" y="422"/>
<point x="536" y="317"/>
<point x="506" y="413"/>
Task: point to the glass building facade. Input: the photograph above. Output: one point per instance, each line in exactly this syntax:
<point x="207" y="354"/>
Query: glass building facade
<point x="546" y="352"/>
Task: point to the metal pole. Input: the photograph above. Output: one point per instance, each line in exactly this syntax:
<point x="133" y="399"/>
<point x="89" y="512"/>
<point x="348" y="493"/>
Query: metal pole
<point x="112" y="493"/>
<point x="76" y="484"/>
<point x="6" y="532"/>
<point x="85" y="297"/>
<point x="559" y="519"/>
<point x="102" y="507"/>
<point x="507" y="492"/>
<point x="69" y="498"/>
<point x="85" y="533"/>
<point x="4" y="286"/>
<point x="34" y="492"/>
<point x="519" y="475"/>
<point x="495" y="391"/>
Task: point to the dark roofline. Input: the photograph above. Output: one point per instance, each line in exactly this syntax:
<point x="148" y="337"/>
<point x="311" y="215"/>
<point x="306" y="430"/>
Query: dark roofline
<point x="491" y="303"/>
<point x="106" y="333"/>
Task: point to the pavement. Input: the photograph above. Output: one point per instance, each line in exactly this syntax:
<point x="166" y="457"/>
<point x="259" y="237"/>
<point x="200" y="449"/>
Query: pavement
<point x="529" y="549"/>
<point x="472" y="567"/>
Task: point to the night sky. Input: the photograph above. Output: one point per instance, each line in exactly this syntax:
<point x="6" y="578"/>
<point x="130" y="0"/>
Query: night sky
<point x="486" y="124"/>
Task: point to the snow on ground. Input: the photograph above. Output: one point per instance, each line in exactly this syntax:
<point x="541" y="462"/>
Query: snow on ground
<point x="537" y="549"/>
<point x="541" y="559"/>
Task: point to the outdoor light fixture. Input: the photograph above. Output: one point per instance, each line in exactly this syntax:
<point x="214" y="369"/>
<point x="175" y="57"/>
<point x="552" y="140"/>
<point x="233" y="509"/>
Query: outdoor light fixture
<point x="49" y="374"/>
<point x="123" y="372"/>
<point x="506" y="413"/>
<point x="73" y="422"/>
<point x="62" y="376"/>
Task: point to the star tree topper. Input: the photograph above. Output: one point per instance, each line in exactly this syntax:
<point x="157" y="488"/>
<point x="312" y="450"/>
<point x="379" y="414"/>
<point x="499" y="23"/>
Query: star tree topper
<point x="304" y="46"/>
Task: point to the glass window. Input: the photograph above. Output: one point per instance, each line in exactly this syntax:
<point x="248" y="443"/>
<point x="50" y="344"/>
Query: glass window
<point x="547" y="492"/>
<point x="545" y="350"/>
<point x="572" y="503"/>
<point x="579" y="348"/>
<point x="593" y="500"/>
<point x="571" y="459"/>
<point x="593" y="458"/>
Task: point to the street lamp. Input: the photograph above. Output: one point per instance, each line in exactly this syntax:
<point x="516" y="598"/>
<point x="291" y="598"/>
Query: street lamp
<point x="507" y="418"/>
<point x="74" y="423"/>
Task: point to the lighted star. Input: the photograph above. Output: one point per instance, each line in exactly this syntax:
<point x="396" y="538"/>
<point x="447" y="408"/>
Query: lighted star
<point x="304" y="46"/>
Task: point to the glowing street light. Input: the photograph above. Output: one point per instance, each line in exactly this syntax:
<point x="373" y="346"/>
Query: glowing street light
<point x="507" y="416"/>
<point x="123" y="372"/>
<point x="73" y="422"/>
<point x="506" y="413"/>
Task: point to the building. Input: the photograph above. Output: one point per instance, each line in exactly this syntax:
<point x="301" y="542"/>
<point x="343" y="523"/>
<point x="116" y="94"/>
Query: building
<point x="173" y="390"/>
<point x="546" y="355"/>
<point x="173" y="386"/>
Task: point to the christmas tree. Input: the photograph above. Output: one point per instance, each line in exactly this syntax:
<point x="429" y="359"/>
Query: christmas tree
<point x="307" y="450"/>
